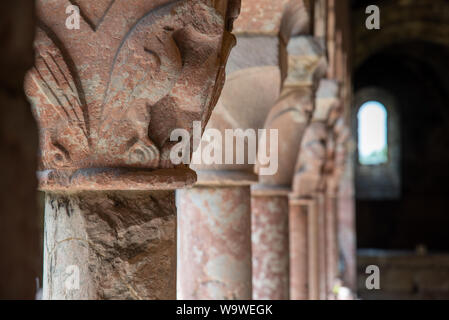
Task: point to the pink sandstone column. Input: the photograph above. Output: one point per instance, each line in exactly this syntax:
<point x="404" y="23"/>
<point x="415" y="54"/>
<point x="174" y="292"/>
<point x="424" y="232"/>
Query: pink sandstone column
<point x="331" y="243"/>
<point x="290" y="118"/>
<point x="306" y="186"/>
<point x="299" y="245"/>
<point x="270" y="245"/>
<point x="214" y="243"/>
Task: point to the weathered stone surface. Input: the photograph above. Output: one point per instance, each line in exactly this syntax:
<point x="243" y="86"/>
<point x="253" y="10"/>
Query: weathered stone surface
<point x="271" y="17"/>
<point x="20" y="254"/>
<point x="122" y="243"/>
<point x="306" y="61"/>
<point x="214" y="249"/>
<point x="269" y="225"/>
<point x="299" y="249"/>
<point x="308" y="179"/>
<point x="107" y="97"/>
<point x="110" y="93"/>
<point x="260" y="16"/>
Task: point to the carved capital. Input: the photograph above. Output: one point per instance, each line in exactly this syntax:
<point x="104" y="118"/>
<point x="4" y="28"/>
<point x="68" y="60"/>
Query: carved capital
<point x="108" y="95"/>
<point x="340" y="137"/>
<point x="328" y="103"/>
<point x="307" y="62"/>
<point x="309" y="171"/>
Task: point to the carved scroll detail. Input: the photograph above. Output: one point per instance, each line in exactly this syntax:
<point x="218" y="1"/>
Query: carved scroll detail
<point x="115" y="103"/>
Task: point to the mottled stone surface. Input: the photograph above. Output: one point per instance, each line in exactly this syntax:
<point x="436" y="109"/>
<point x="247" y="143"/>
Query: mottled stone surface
<point x="270" y="249"/>
<point x="308" y="180"/>
<point x="321" y="248"/>
<point x="271" y="17"/>
<point x="260" y="16"/>
<point x="19" y="222"/>
<point x="110" y="94"/>
<point x="331" y="244"/>
<point x="214" y="247"/>
<point x="123" y="244"/>
<point x="299" y="245"/>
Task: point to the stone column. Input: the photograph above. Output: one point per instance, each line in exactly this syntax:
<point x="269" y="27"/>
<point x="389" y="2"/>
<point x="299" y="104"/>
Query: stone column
<point x="215" y="215"/>
<point x="270" y="245"/>
<point x="299" y="248"/>
<point x="290" y="117"/>
<point x="215" y="243"/>
<point x="107" y="97"/>
<point x="305" y="197"/>
<point x="335" y="168"/>
<point x="120" y="244"/>
<point x="308" y="187"/>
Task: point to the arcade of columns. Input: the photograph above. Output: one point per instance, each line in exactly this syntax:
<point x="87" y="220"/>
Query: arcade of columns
<point x="108" y="96"/>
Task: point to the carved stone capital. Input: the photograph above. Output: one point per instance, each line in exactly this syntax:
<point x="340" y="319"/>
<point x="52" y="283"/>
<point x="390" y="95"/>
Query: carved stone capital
<point x="308" y="178"/>
<point x="108" y="95"/>
<point x="328" y="102"/>
<point x="307" y="62"/>
<point x="341" y="135"/>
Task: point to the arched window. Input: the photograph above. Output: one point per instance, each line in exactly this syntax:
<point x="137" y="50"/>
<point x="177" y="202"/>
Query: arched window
<point x="372" y="121"/>
<point x="376" y="122"/>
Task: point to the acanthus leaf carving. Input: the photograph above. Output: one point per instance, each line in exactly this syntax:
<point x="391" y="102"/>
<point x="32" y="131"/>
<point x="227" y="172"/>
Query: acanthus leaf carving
<point x="162" y="76"/>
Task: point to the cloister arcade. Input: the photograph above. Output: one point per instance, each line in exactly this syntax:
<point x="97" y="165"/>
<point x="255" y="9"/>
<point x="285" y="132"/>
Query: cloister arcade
<point x="89" y="185"/>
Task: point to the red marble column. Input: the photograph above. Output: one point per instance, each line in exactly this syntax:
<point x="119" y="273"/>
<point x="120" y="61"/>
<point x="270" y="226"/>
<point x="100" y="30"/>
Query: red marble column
<point x="331" y="244"/>
<point x="214" y="249"/>
<point x="270" y="246"/>
<point x="322" y="250"/>
<point x="299" y="249"/>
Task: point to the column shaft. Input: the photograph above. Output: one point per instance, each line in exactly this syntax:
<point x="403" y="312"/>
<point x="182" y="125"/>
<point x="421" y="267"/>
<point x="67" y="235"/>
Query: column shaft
<point x="299" y="245"/>
<point x="120" y="245"/>
<point x="322" y="270"/>
<point x="331" y="243"/>
<point x="270" y="247"/>
<point x="313" y="239"/>
<point x="214" y="248"/>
